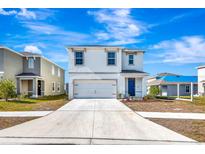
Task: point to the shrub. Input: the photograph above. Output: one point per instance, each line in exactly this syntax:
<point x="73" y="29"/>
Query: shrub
<point x="154" y="91"/>
<point x="7" y="89"/>
<point x="166" y="97"/>
<point x="120" y="95"/>
<point x="148" y="97"/>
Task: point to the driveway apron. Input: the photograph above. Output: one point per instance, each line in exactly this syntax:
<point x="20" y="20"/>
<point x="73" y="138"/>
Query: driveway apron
<point x="92" y="121"/>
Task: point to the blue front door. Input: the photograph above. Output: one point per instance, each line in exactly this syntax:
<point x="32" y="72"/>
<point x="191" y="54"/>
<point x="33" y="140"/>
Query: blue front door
<point x="131" y="86"/>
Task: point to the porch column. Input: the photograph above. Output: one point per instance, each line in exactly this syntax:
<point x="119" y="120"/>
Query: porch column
<point x="18" y="86"/>
<point x="120" y="87"/>
<point x="70" y="89"/>
<point x="160" y="90"/>
<point x="35" y="93"/>
<point x="178" y="90"/>
<point x="144" y="86"/>
<point x="192" y="91"/>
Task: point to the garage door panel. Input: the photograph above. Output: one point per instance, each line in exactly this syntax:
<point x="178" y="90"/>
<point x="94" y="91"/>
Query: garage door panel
<point x="95" y="89"/>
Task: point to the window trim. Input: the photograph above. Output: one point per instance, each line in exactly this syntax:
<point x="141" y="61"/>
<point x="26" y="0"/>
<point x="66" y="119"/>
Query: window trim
<point x="53" y="86"/>
<point x="59" y="72"/>
<point x="58" y="87"/>
<point x="53" y="70"/>
<point x="31" y="63"/>
<point x="115" y="58"/>
<point x="79" y="58"/>
<point x="131" y="59"/>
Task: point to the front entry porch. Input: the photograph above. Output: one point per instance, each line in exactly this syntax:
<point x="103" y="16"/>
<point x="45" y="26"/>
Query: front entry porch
<point x="133" y="85"/>
<point x="30" y="86"/>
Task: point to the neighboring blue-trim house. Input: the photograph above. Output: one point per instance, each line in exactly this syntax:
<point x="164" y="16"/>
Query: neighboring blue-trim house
<point x="168" y="84"/>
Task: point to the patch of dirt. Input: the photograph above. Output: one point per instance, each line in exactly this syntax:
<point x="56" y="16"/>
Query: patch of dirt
<point x="50" y="105"/>
<point x="194" y="129"/>
<point x="165" y="106"/>
<point x="6" y="122"/>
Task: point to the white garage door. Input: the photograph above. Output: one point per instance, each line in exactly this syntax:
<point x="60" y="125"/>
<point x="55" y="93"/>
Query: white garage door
<point x="94" y="89"/>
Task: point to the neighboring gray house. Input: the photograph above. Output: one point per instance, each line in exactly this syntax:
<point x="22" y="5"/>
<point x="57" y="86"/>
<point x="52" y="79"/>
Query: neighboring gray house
<point x="174" y="85"/>
<point x="33" y="74"/>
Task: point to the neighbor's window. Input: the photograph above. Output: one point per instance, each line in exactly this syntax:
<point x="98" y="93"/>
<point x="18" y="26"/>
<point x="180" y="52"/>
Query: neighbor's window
<point x="187" y="88"/>
<point x="53" y="70"/>
<point x="111" y="58"/>
<point x="131" y="59"/>
<point x="53" y="87"/>
<point x="58" y="87"/>
<point x="30" y="63"/>
<point x="79" y="58"/>
<point x="59" y="72"/>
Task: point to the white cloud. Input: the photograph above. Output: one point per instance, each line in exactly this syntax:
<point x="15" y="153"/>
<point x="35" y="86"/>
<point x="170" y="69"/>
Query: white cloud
<point x="25" y="13"/>
<point x="119" y="26"/>
<point x="189" y="49"/>
<point x="7" y="13"/>
<point x="55" y="32"/>
<point x="33" y="49"/>
<point x="43" y="14"/>
<point x="40" y="27"/>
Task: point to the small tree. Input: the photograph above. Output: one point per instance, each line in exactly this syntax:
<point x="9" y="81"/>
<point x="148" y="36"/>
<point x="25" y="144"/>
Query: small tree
<point x="7" y="89"/>
<point x="154" y="91"/>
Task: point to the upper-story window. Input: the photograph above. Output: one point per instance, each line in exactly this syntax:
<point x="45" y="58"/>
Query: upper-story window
<point x="111" y="58"/>
<point x="79" y="58"/>
<point x="131" y="59"/>
<point x="53" y="70"/>
<point x="30" y="63"/>
<point x="59" y="72"/>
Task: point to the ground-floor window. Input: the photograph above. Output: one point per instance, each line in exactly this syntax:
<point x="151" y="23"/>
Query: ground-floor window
<point x="187" y="89"/>
<point x="58" y="87"/>
<point x="53" y="86"/>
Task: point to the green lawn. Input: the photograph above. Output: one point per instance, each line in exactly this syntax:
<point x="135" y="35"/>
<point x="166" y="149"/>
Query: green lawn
<point x="196" y="100"/>
<point x="173" y="97"/>
<point x="46" y="103"/>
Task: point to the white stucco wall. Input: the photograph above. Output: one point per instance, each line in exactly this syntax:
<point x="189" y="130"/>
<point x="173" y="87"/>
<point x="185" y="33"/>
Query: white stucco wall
<point x="201" y="77"/>
<point x="95" y="60"/>
<point x="138" y="62"/>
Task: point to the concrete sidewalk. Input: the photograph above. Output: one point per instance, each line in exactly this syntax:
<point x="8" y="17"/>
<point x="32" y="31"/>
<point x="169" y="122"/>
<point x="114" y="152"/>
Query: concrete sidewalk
<point x="92" y="121"/>
<point x="25" y="113"/>
<point x="171" y="115"/>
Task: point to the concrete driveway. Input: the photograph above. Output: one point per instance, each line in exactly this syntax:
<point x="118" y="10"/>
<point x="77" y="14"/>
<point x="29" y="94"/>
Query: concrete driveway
<point x="91" y="121"/>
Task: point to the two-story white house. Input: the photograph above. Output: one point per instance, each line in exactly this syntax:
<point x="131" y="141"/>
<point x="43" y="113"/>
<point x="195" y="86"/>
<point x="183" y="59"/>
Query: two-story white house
<point x="105" y="72"/>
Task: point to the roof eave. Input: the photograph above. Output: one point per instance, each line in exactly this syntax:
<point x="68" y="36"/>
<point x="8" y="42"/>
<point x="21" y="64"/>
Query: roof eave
<point x="72" y="46"/>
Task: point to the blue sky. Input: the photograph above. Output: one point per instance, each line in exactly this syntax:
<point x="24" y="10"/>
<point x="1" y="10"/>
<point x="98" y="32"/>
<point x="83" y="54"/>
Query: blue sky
<point x="174" y="39"/>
